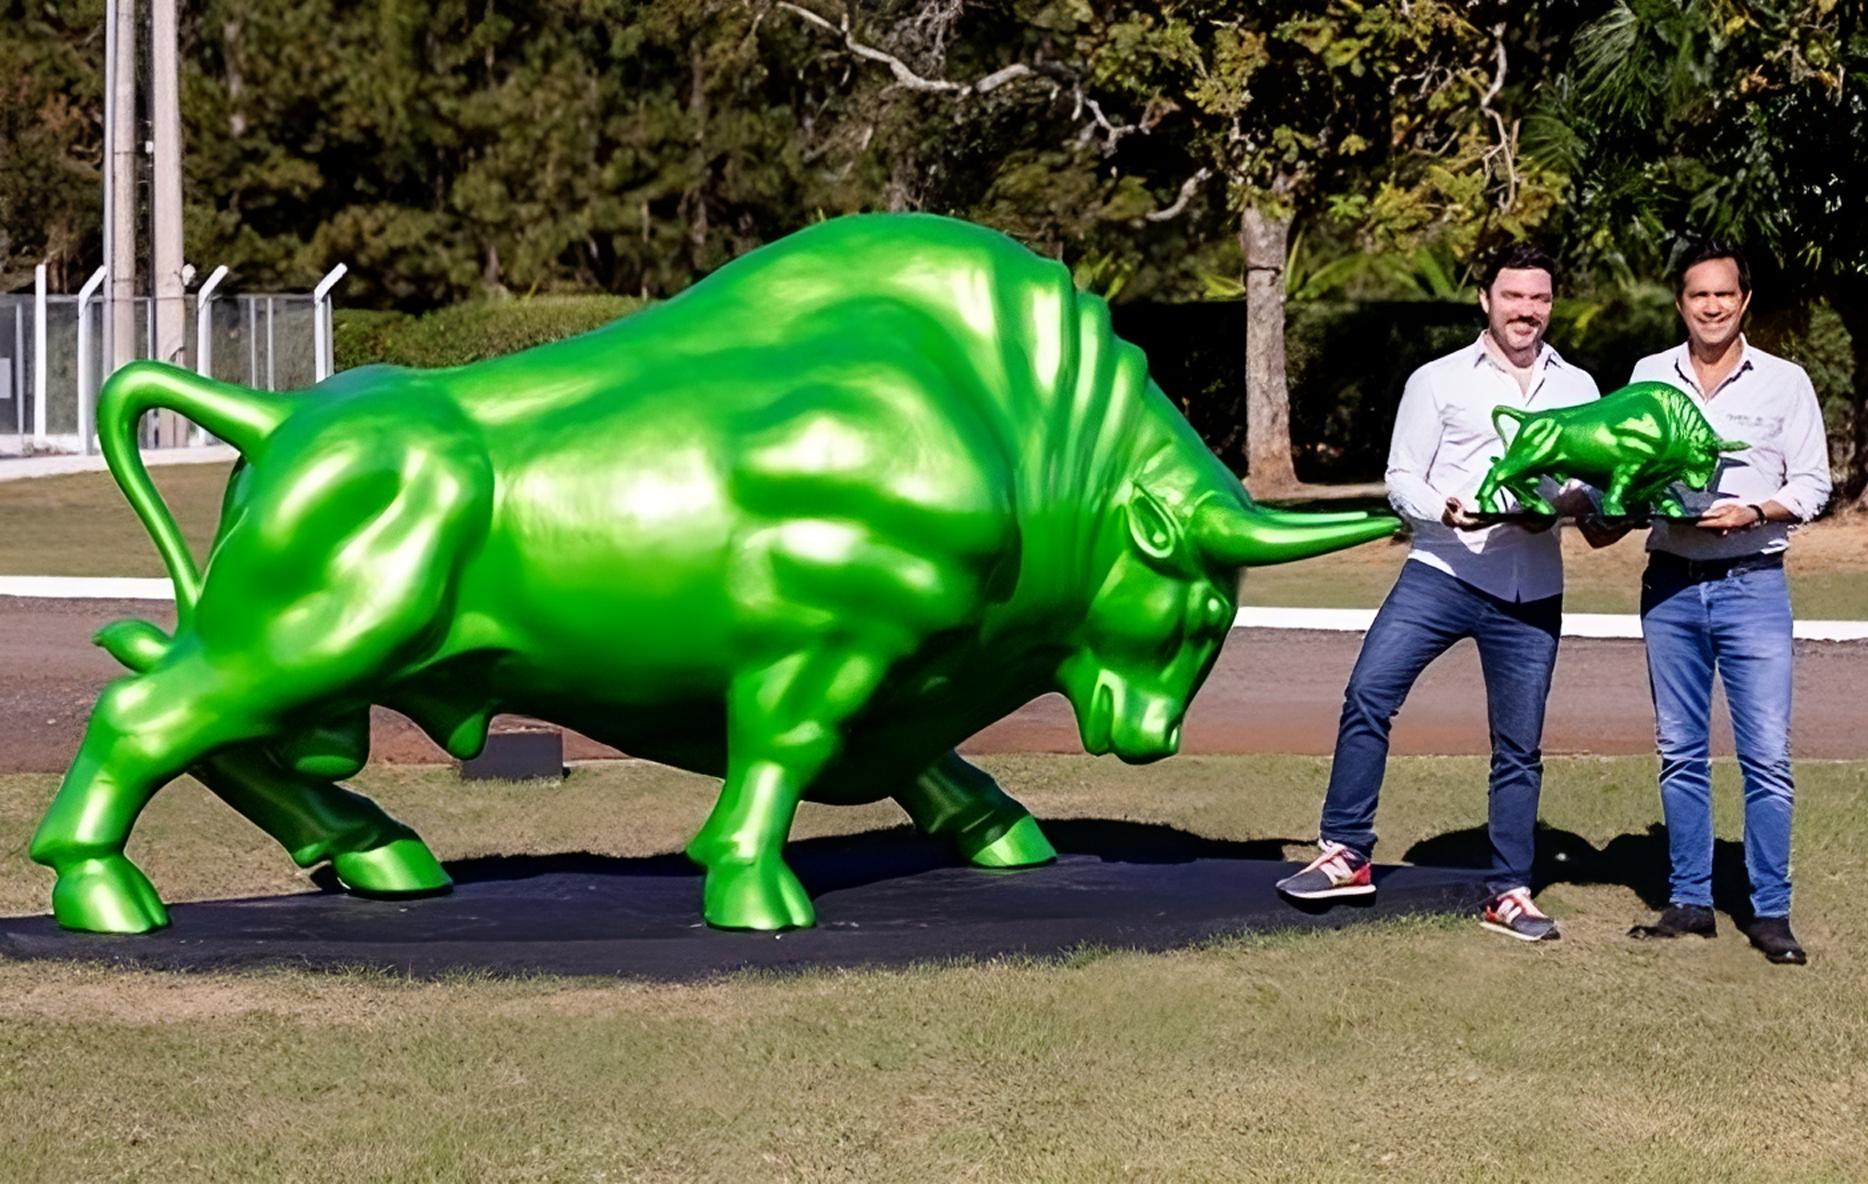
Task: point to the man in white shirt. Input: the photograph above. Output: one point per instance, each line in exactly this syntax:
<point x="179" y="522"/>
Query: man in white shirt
<point x="1501" y="585"/>
<point x="1713" y="599"/>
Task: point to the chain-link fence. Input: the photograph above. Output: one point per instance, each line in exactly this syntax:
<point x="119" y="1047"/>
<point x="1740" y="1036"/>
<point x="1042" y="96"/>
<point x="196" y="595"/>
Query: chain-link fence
<point x="258" y="339"/>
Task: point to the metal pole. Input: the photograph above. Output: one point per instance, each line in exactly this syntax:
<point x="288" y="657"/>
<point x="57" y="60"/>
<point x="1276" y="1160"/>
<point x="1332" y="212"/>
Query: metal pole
<point x="272" y="370"/>
<point x="38" y="356"/>
<point x="121" y="261"/>
<point x="252" y="340"/>
<point x="87" y="397"/>
<point x="168" y="338"/>
<point x="321" y="361"/>
<point x="110" y="164"/>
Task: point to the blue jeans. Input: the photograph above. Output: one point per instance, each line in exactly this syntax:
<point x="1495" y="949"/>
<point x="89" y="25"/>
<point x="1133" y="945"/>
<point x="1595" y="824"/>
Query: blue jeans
<point x="1739" y="626"/>
<point x="1426" y="612"/>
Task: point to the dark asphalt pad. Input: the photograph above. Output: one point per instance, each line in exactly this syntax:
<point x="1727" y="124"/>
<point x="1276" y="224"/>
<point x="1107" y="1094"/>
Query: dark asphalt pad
<point x="884" y="898"/>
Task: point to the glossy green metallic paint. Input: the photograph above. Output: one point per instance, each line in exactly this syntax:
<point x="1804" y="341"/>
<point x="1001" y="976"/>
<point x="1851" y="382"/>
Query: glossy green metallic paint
<point x="805" y="527"/>
<point x="1632" y="444"/>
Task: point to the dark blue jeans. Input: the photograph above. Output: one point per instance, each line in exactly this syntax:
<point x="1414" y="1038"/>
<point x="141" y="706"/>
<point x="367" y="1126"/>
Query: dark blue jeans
<point x="1425" y="613"/>
<point x="1738" y="627"/>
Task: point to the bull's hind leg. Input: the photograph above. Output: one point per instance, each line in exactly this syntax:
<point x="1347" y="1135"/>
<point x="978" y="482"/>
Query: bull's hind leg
<point x="316" y="820"/>
<point x="143" y="733"/>
<point x="284" y="624"/>
<point x="294" y="799"/>
<point x="961" y="803"/>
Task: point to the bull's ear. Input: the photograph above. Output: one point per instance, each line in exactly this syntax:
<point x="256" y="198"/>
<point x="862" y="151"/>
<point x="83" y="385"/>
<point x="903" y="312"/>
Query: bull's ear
<point x="1730" y="446"/>
<point x="1156" y="531"/>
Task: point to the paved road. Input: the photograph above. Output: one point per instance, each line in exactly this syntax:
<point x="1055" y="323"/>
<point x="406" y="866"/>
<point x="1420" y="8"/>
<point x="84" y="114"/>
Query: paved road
<point x="1273" y="691"/>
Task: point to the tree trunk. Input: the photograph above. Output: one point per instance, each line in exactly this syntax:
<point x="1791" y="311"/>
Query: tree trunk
<point x="695" y="200"/>
<point x="1266" y="240"/>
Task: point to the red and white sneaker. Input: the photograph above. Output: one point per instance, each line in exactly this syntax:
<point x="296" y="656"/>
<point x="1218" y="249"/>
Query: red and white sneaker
<point x="1512" y="914"/>
<point x="1339" y="871"/>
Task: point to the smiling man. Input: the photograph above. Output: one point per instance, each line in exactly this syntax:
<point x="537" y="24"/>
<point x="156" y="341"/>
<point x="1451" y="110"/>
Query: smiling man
<point x="1714" y="600"/>
<point x="1501" y="585"/>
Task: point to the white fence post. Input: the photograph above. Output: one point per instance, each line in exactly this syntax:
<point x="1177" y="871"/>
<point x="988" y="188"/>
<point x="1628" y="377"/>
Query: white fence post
<point x="87" y="397"/>
<point x="204" y="336"/>
<point x="204" y="322"/>
<point x="322" y="360"/>
<point x="38" y="357"/>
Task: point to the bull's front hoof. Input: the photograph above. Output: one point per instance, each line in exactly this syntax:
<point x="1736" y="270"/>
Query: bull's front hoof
<point x="761" y="895"/>
<point x="1021" y="846"/>
<point x="108" y="894"/>
<point x="405" y="867"/>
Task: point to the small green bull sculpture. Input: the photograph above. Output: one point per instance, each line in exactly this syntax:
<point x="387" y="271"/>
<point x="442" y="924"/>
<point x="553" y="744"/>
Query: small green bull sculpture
<point x="1632" y="444"/>
<point x="805" y="527"/>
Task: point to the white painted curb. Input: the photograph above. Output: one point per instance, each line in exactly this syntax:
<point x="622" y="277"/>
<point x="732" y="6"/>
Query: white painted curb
<point x="1620" y="625"/>
<point x="27" y="467"/>
<point x="87" y="587"/>
<point x="1328" y="620"/>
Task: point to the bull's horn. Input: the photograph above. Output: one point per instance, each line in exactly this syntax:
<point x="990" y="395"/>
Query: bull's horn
<point x="1730" y="446"/>
<point x="1246" y="536"/>
<point x="1301" y="518"/>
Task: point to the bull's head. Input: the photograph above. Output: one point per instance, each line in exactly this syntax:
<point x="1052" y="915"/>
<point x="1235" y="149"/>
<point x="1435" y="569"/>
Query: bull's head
<point x="1166" y="602"/>
<point x="1704" y="462"/>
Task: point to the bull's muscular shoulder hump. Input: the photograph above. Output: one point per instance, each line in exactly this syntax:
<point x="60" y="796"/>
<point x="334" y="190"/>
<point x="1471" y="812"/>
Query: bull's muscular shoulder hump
<point x="939" y="264"/>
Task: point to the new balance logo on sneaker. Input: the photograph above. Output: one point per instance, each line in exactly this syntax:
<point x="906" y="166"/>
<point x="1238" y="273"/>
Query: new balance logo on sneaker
<point x="1512" y="914"/>
<point x="1339" y="871"/>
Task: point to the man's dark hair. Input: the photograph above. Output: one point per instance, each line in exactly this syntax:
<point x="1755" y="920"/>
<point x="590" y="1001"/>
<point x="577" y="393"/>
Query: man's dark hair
<point x="1693" y="252"/>
<point x="1518" y="257"/>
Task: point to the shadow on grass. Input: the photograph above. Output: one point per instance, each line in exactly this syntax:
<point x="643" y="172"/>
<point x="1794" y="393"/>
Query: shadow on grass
<point x="833" y="862"/>
<point x="1635" y="861"/>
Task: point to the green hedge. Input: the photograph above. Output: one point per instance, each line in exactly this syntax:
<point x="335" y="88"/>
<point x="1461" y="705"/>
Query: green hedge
<point x="463" y="333"/>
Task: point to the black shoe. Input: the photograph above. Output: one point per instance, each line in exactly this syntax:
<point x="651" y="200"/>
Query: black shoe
<point x="1773" y="936"/>
<point x="1679" y="920"/>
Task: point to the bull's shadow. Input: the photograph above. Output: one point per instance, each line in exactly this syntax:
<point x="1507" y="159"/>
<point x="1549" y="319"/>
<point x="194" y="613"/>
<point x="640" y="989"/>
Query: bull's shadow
<point x="1634" y="861"/>
<point x="834" y="862"/>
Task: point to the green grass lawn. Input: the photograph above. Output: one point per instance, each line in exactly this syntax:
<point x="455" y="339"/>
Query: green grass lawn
<point x="1419" y="1050"/>
<point x="79" y="525"/>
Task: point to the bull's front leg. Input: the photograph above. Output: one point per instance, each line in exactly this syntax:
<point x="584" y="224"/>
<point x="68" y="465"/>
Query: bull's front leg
<point x="784" y="725"/>
<point x="1493" y="485"/>
<point x="1660" y="498"/>
<point x="961" y="803"/>
<point x="1615" y="497"/>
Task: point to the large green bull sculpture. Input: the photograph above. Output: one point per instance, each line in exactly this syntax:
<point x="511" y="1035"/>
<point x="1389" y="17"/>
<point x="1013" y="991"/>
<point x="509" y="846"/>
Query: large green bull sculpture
<point x="805" y="527"/>
<point x="1632" y="444"/>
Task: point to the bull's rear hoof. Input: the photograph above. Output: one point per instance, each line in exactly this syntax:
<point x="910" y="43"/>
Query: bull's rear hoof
<point x="763" y="895"/>
<point x="404" y="867"/>
<point x="107" y="895"/>
<point x="1021" y="846"/>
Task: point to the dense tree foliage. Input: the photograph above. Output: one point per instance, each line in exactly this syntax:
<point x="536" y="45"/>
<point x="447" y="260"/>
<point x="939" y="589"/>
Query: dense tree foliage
<point x="1746" y="119"/>
<point x="1165" y="149"/>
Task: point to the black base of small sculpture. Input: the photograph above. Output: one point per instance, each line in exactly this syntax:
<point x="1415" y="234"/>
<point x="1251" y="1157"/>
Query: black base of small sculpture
<point x="1528" y="517"/>
<point x="884" y="898"/>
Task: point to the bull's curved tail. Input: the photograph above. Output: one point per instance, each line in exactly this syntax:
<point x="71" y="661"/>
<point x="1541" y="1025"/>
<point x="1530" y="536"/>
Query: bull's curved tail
<point x="1512" y="413"/>
<point x="243" y="418"/>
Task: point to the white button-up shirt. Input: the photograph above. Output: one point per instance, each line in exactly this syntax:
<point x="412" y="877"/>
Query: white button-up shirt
<point x="1444" y="443"/>
<point x="1768" y="403"/>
